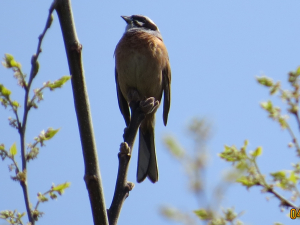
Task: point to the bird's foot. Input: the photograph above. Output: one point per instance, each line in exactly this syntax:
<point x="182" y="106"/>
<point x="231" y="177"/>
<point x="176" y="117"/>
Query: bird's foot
<point x="149" y="105"/>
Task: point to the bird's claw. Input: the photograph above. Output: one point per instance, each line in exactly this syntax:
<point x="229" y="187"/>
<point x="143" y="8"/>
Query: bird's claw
<point x="149" y="105"/>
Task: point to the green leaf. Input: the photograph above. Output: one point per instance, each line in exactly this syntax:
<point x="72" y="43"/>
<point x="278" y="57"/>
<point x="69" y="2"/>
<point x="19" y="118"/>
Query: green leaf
<point x="293" y="177"/>
<point x="293" y="109"/>
<point x="257" y="152"/>
<point x="10" y="62"/>
<point x="174" y="147"/>
<point x="275" y="88"/>
<point x="5" y="214"/>
<point x="231" y="154"/>
<point x="61" y="187"/>
<point x="267" y="105"/>
<point x="247" y="181"/>
<point x="282" y="122"/>
<point x="2" y="147"/>
<point x="58" y="83"/>
<point x="42" y="198"/>
<point x="242" y="165"/>
<point x="13" y="149"/>
<point x="20" y="215"/>
<point x="230" y="215"/>
<point x="278" y="175"/>
<point x="15" y="104"/>
<point x="298" y="71"/>
<point x="52" y="195"/>
<point x="203" y="214"/>
<point x="265" y="81"/>
<point x="4" y="91"/>
<point x="50" y="133"/>
<point x="169" y="212"/>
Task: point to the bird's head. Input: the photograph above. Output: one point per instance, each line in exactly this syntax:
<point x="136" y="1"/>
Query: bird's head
<point x="139" y="21"/>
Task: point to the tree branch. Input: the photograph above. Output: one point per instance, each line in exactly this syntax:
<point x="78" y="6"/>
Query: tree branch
<point x="27" y="106"/>
<point x="297" y="119"/>
<point x="283" y="201"/>
<point x="92" y="172"/>
<point x="138" y="112"/>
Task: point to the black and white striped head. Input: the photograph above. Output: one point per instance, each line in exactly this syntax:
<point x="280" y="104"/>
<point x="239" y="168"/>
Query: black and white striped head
<point x="139" y="21"/>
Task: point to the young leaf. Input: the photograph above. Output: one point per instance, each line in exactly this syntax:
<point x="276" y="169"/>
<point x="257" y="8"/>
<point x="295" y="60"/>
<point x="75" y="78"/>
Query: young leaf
<point x="257" y="152"/>
<point x="15" y="104"/>
<point x="175" y="149"/>
<point x="203" y="214"/>
<point x="293" y="177"/>
<point x="42" y="198"/>
<point x="275" y="88"/>
<point x="266" y="81"/>
<point x="278" y="175"/>
<point x="61" y="187"/>
<point x="4" y="91"/>
<point x="58" y="83"/>
<point x="10" y="62"/>
<point x="247" y="181"/>
<point x="267" y="105"/>
<point x="13" y="149"/>
<point x="50" y="133"/>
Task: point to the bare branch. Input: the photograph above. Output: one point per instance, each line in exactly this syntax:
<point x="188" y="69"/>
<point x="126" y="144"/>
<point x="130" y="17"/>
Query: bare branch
<point x="283" y="201"/>
<point x="92" y="172"/>
<point x="138" y="112"/>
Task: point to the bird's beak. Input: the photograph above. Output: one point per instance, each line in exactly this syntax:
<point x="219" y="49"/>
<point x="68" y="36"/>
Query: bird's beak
<point x="126" y="18"/>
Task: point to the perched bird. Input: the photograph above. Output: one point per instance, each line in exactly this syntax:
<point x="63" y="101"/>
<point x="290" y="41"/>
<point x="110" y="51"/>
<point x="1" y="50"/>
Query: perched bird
<point x="142" y="65"/>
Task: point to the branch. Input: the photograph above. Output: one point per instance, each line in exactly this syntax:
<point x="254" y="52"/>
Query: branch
<point x="297" y="119"/>
<point x="270" y="189"/>
<point x="283" y="201"/>
<point x="294" y="139"/>
<point x="19" y="127"/>
<point x="27" y="106"/>
<point x="138" y="111"/>
<point x="82" y="107"/>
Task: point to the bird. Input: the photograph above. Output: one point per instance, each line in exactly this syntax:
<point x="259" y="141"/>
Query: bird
<point x="142" y="65"/>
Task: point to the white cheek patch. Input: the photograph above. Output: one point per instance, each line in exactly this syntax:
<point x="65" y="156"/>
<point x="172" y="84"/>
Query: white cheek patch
<point x="128" y="27"/>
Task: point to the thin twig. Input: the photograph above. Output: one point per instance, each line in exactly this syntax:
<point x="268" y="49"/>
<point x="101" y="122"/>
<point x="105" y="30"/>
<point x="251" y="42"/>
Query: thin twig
<point x="293" y="138"/>
<point x="270" y="189"/>
<point x="284" y="202"/>
<point x="38" y="202"/>
<point x="27" y="107"/>
<point x="297" y="118"/>
<point x="16" y="114"/>
<point x="289" y="101"/>
<point x="35" y="95"/>
<point x="16" y="165"/>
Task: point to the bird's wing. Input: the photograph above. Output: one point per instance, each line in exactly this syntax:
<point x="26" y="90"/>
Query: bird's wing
<point x="167" y="91"/>
<point x="123" y="105"/>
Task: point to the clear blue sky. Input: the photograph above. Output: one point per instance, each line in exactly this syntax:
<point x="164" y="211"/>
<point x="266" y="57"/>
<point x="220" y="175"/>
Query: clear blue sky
<point x="216" y="49"/>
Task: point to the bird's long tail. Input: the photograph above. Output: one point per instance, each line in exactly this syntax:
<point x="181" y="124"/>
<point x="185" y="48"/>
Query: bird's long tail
<point x="147" y="165"/>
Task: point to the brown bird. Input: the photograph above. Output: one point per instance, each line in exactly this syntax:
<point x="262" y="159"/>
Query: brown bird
<point x="142" y="66"/>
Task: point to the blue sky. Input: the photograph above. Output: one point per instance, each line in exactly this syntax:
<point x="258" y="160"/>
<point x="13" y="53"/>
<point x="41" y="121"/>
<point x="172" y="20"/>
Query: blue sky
<point x="216" y="49"/>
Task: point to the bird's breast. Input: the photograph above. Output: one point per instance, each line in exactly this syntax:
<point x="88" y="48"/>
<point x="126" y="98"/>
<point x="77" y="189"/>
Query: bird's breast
<point x="140" y="58"/>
